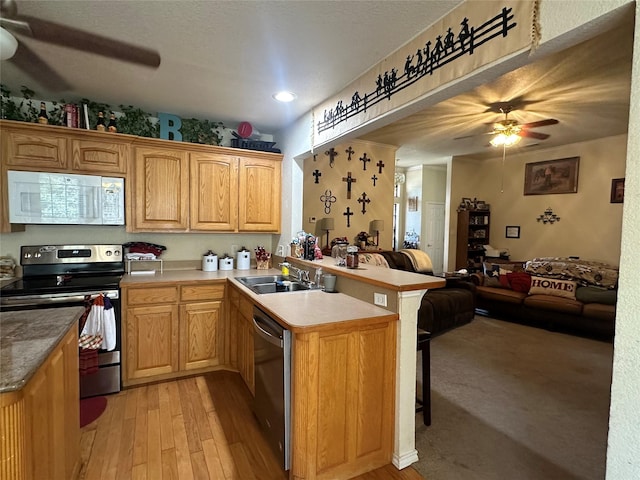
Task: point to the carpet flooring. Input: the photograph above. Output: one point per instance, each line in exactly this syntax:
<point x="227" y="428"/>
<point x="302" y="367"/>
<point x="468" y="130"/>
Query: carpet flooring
<point x="513" y="402"/>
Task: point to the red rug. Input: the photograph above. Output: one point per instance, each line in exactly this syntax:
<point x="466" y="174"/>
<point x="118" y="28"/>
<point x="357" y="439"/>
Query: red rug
<point x="91" y="409"/>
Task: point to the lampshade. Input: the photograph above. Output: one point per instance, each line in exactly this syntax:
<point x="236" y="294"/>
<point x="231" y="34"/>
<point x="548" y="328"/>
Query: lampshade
<point x="8" y="44"/>
<point x="326" y="224"/>
<point x="376" y="226"/>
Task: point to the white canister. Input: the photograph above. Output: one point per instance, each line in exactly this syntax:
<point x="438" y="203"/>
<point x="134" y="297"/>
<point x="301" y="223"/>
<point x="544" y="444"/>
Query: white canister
<point x="243" y="260"/>
<point x="226" y="263"/>
<point x="209" y="263"/>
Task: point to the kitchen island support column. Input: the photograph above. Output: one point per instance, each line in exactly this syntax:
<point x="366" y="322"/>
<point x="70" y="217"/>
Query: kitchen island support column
<point x="404" y="451"/>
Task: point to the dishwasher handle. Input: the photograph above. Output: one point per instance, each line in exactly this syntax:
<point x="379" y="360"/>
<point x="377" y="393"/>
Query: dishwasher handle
<point x="259" y="324"/>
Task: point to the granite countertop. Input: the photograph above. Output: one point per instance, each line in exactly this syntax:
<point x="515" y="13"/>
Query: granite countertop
<point x="27" y="337"/>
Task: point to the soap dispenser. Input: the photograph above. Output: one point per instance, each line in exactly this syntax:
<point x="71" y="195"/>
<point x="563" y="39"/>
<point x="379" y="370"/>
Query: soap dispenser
<point x="285" y="269"/>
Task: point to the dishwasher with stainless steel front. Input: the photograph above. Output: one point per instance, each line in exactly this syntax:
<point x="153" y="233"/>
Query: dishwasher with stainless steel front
<point x="272" y="401"/>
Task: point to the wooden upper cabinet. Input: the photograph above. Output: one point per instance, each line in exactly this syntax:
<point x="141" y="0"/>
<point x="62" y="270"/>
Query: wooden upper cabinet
<point x="29" y="146"/>
<point x="33" y="150"/>
<point x="214" y="198"/>
<point x="100" y="156"/>
<point x="161" y="191"/>
<point x="260" y="191"/>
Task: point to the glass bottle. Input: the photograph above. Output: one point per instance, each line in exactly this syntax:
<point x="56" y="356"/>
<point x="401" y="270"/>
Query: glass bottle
<point x="113" y="128"/>
<point x="42" y="116"/>
<point x="100" y="126"/>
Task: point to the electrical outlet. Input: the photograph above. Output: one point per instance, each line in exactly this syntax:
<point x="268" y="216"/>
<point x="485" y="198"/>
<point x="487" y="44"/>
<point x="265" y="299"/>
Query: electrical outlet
<point x="312" y="219"/>
<point x="380" y="299"/>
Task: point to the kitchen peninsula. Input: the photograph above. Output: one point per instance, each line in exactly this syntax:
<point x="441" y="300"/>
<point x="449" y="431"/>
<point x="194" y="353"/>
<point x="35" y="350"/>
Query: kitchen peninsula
<point x="39" y="393"/>
<point x="337" y="361"/>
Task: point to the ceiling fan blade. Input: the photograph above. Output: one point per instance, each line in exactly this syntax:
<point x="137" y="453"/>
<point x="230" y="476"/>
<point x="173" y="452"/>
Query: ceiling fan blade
<point x="82" y="40"/>
<point x="16" y="26"/>
<point x="537" y="135"/>
<point x="540" y="123"/>
<point x="27" y="61"/>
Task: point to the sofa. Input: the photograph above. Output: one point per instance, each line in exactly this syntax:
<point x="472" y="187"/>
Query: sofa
<point x="568" y="294"/>
<point x="441" y="309"/>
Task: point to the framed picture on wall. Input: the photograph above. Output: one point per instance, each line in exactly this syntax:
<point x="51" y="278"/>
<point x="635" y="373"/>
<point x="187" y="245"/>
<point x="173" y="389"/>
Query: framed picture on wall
<point x="617" y="190"/>
<point x="551" y="177"/>
<point x="512" y="231"/>
<point x="412" y="203"/>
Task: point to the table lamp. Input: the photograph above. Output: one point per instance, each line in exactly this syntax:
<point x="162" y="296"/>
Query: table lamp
<point x="375" y="227"/>
<point x="326" y="224"/>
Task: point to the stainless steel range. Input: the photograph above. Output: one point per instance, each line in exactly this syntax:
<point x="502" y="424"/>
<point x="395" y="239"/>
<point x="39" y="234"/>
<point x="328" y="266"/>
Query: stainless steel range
<point x="66" y="275"/>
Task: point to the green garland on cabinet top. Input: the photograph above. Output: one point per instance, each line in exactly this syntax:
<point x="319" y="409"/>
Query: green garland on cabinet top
<point x="131" y="120"/>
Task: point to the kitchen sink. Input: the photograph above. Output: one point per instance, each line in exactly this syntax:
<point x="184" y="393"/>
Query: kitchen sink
<point x="272" y="284"/>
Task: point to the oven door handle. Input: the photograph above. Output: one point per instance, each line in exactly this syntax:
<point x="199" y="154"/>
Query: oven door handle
<point x="28" y="300"/>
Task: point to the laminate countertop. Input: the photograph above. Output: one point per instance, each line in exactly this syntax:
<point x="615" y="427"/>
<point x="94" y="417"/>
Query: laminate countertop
<point x="299" y="310"/>
<point x="27" y="337"/>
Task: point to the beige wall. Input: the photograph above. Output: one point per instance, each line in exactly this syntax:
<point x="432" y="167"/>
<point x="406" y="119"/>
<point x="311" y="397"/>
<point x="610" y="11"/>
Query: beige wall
<point x="590" y="226"/>
<point x="180" y="246"/>
<point x="381" y="205"/>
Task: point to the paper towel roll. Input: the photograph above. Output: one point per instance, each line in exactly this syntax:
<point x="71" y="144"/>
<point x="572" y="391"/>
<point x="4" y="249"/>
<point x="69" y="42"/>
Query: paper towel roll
<point x="243" y="261"/>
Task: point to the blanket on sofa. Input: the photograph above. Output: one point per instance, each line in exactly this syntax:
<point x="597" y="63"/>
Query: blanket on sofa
<point x="584" y="272"/>
<point x="419" y="259"/>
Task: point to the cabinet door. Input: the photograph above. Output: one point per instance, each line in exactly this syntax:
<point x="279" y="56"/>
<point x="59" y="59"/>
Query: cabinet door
<point x="52" y="414"/>
<point x="245" y="342"/>
<point x="199" y="335"/>
<point x="152" y="341"/>
<point x="259" y="195"/>
<point x="36" y="150"/>
<point x="161" y="199"/>
<point x="214" y="192"/>
<point x="97" y="156"/>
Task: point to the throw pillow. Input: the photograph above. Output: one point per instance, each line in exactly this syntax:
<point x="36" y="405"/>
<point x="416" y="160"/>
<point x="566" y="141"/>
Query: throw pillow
<point x="596" y="295"/>
<point x="504" y="280"/>
<point x="519" y="281"/>
<point x="553" y="286"/>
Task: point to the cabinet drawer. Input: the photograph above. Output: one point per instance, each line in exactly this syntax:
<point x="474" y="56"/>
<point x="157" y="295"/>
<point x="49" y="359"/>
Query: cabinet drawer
<point x="145" y="296"/>
<point x="202" y="292"/>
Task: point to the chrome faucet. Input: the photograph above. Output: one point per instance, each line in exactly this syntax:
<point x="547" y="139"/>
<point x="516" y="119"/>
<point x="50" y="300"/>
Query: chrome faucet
<point x="300" y="275"/>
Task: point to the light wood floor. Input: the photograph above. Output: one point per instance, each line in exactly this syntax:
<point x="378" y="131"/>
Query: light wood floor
<point x="195" y="428"/>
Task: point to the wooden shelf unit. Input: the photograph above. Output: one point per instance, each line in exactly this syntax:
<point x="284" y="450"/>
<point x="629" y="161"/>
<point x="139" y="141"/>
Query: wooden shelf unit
<point x="473" y="234"/>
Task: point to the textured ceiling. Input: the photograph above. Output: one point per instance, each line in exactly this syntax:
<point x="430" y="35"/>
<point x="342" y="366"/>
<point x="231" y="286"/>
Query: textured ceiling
<point x="222" y="60"/>
<point x="585" y="87"/>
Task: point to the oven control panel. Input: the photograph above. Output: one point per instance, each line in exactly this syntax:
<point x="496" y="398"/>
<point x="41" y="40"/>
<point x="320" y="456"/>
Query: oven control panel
<point x="59" y="254"/>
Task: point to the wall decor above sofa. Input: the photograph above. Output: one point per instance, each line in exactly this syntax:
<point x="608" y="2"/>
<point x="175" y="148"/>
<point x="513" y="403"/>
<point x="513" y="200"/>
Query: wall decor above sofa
<point x="551" y="176"/>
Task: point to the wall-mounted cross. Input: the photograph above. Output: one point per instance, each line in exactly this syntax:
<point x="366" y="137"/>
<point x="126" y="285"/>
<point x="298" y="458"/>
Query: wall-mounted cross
<point x="364" y="159"/>
<point x="349" y="151"/>
<point x="374" y="178"/>
<point x="317" y="174"/>
<point x="364" y="200"/>
<point x="349" y="181"/>
<point x="328" y="199"/>
<point x="348" y="214"/>
<point x="332" y="154"/>
<point x="380" y="164"/>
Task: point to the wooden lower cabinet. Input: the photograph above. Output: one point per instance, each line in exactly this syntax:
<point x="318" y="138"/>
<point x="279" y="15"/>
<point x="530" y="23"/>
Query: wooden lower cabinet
<point x="171" y="331"/>
<point x="343" y="401"/>
<point x="40" y="424"/>
<point x="241" y="336"/>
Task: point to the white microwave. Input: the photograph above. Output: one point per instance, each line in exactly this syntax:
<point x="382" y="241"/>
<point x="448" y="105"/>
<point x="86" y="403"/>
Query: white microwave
<point x="61" y="198"/>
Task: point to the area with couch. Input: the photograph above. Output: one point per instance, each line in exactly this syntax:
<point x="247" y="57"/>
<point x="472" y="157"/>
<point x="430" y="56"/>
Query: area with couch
<point x="568" y="294"/>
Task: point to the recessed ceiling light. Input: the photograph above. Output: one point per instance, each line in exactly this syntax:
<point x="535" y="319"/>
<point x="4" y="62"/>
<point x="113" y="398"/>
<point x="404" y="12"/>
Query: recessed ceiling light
<point x="285" y="96"/>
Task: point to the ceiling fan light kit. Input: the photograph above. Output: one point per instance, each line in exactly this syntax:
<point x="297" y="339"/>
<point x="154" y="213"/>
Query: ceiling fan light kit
<point x="8" y="44"/>
<point x="506" y="139"/>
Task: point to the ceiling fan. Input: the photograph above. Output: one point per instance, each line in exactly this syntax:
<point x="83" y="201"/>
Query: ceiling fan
<point x="508" y="132"/>
<point x="11" y="23"/>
